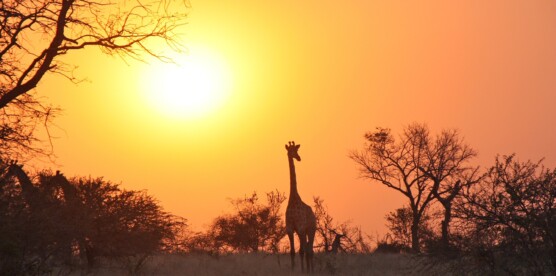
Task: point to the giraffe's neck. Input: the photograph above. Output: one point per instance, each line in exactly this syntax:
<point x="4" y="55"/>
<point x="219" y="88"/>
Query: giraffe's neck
<point x="70" y="192"/>
<point x="293" y="182"/>
<point x="23" y="179"/>
<point x="26" y="186"/>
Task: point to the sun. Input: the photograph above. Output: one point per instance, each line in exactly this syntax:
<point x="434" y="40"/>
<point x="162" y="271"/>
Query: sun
<point x="195" y="85"/>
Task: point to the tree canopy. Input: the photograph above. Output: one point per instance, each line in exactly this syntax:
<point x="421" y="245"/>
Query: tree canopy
<point x="34" y="35"/>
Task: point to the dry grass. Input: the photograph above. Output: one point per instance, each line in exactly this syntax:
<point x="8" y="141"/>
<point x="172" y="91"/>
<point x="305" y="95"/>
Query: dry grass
<point x="264" y="264"/>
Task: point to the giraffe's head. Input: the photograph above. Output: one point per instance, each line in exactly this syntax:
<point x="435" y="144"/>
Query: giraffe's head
<point x="292" y="148"/>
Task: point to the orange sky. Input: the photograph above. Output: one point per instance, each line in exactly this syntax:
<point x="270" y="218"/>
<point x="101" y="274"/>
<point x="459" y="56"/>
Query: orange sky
<point x="321" y="73"/>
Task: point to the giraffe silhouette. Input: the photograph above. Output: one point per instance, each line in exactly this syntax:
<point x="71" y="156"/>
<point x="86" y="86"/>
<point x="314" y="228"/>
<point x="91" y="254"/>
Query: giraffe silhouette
<point x="30" y="193"/>
<point x="37" y="200"/>
<point x="73" y="202"/>
<point x="300" y="218"/>
<point x="71" y="196"/>
<point x="337" y="244"/>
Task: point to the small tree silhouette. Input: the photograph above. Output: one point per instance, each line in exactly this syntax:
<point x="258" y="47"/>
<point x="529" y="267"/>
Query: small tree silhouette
<point x="513" y="210"/>
<point x="124" y="224"/>
<point x="422" y="167"/>
<point x="349" y="238"/>
<point x="447" y="158"/>
<point x="55" y="231"/>
<point x="253" y="227"/>
<point x="399" y="224"/>
<point x="395" y="164"/>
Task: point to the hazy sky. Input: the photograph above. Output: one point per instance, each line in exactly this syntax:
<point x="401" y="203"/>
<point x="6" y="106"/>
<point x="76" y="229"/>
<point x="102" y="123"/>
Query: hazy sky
<point x="321" y="73"/>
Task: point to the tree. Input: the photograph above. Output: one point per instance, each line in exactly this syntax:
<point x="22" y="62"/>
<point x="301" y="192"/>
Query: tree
<point x="34" y="35"/>
<point x="85" y="217"/>
<point x="399" y="224"/>
<point x="513" y="210"/>
<point x="396" y="164"/>
<point x="348" y="238"/>
<point x="446" y="165"/>
<point x="253" y="227"/>
<point x="123" y="224"/>
<point x="33" y="238"/>
<point x="422" y="167"/>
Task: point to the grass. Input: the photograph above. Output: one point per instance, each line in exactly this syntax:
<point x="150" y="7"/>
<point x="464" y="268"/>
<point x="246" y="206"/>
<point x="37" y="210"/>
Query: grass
<point x="265" y="264"/>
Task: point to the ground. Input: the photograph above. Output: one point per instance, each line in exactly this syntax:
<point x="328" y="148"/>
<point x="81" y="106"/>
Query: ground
<point x="266" y="264"/>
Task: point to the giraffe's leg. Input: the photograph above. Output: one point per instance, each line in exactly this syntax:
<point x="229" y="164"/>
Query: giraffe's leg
<point x="302" y="248"/>
<point x="292" y="248"/>
<point x="310" y="253"/>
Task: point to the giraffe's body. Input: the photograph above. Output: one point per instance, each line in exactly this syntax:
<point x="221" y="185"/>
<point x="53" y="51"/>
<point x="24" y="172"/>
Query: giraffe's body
<point x="300" y="218"/>
<point x="30" y="193"/>
<point x="70" y="192"/>
<point x="36" y="199"/>
<point x="71" y="196"/>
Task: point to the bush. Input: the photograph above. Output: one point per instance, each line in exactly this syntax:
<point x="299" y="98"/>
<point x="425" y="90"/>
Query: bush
<point x="55" y="223"/>
<point x="511" y="218"/>
<point x="253" y="227"/>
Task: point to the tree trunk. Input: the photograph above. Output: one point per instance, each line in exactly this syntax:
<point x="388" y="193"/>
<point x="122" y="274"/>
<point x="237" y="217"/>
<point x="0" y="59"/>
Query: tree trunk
<point x="415" y="234"/>
<point x="445" y="240"/>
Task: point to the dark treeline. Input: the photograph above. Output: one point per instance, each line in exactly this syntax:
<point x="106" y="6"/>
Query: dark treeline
<point x="48" y="222"/>
<point x="500" y="220"/>
<point x="495" y="220"/>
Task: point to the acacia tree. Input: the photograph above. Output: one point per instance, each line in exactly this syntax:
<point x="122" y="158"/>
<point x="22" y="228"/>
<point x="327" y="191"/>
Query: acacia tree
<point x="253" y="227"/>
<point x="34" y="35"/>
<point x="422" y="167"/>
<point x="77" y="222"/>
<point x="446" y="165"/>
<point x="395" y="164"/>
<point x="513" y="210"/>
<point x="123" y="224"/>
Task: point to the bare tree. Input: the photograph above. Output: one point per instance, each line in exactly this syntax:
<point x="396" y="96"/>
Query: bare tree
<point x="395" y="164"/>
<point x="325" y="225"/>
<point x="333" y="236"/>
<point x="446" y="165"/>
<point x="34" y="35"/>
<point x="512" y="217"/>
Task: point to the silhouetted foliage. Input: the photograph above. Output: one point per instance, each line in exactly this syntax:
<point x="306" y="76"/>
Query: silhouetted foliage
<point x="399" y="224"/>
<point x="447" y="158"/>
<point x="510" y="218"/>
<point x="35" y="235"/>
<point x="389" y="246"/>
<point x="421" y="167"/>
<point x="253" y="227"/>
<point x="396" y="164"/>
<point x="71" y="223"/>
<point x="350" y="239"/>
<point x="124" y="223"/>
<point x="34" y="35"/>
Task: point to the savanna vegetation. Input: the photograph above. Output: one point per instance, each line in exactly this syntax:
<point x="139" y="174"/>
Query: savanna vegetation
<point x="458" y="218"/>
<point x="498" y="220"/>
<point x="501" y="221"/>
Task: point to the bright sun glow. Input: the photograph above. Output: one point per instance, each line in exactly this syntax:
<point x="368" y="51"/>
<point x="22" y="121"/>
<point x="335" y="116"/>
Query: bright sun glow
<point x="196" y="85"/>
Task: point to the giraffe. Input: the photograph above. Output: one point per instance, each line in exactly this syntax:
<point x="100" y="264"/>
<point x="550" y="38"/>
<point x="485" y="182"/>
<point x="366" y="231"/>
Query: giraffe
<point x="36" y="199"/>
<point x="73" y="202"/>
<point x="336" y="244"/>
<point x="300" y="218"/>
<point x="30" y="192"/>
<point x="71" y="196"/>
